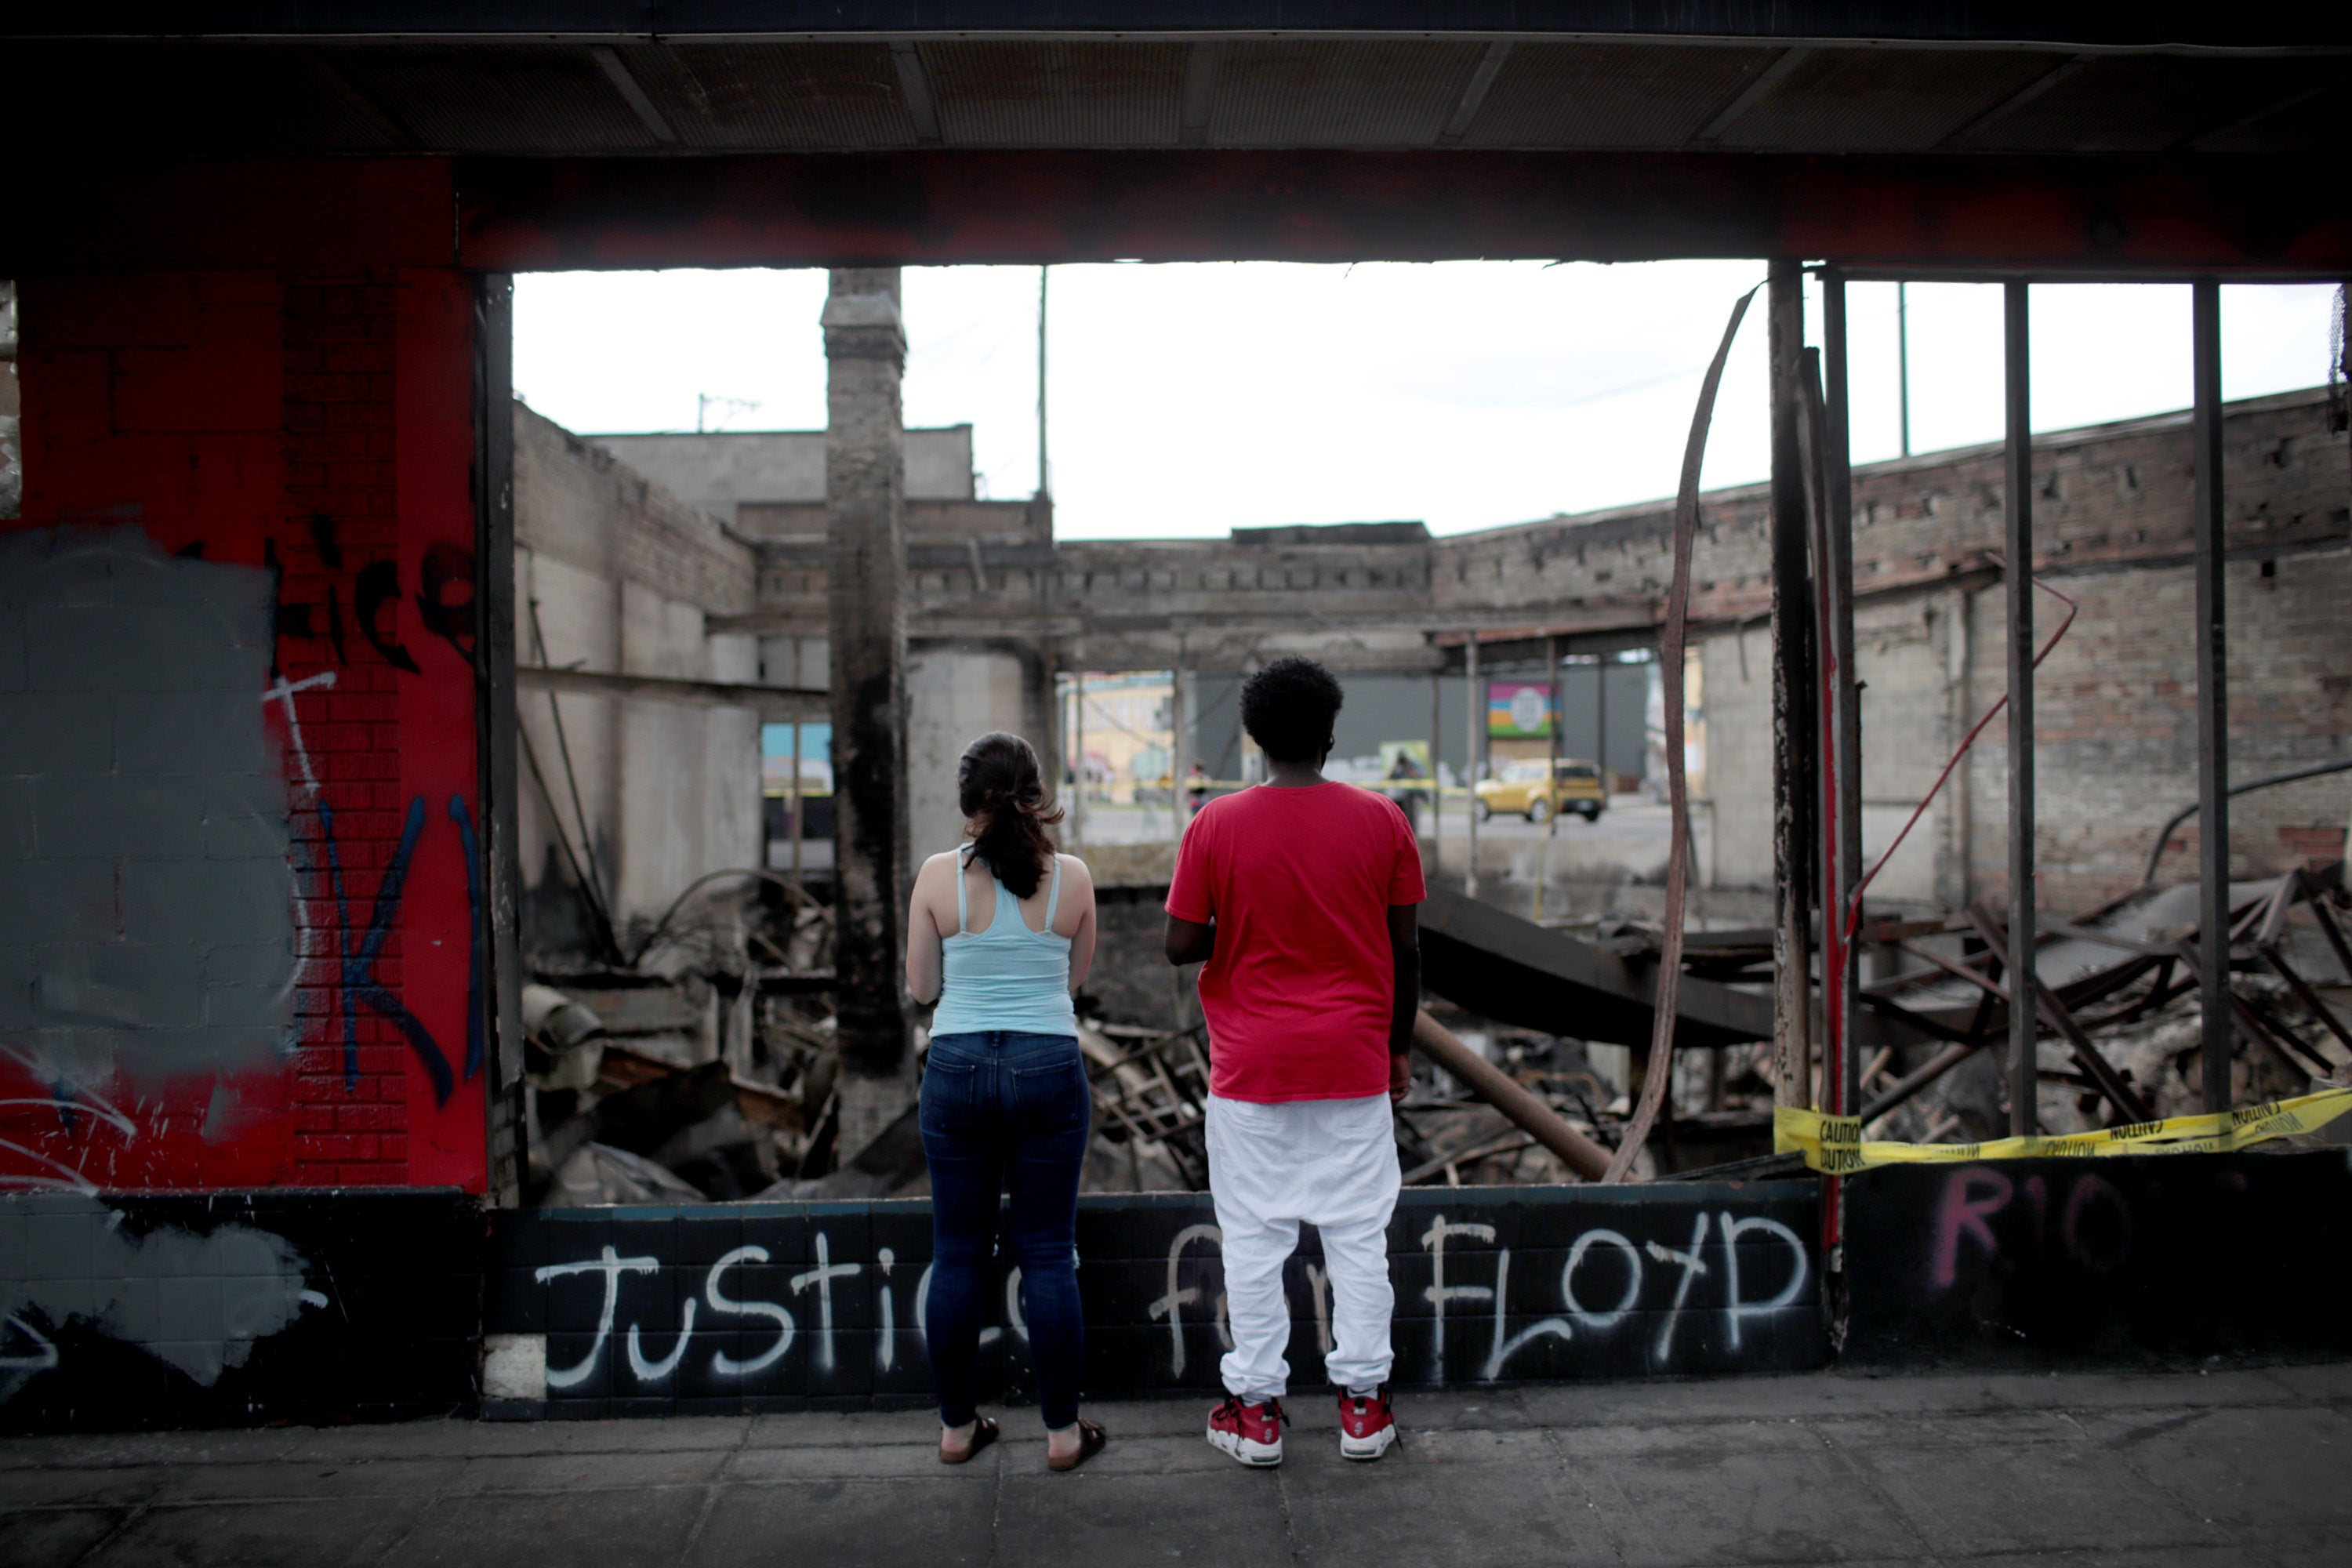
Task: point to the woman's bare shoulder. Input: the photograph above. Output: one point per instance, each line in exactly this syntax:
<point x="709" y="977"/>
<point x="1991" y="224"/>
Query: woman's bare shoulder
<point x="1074" y="872"/>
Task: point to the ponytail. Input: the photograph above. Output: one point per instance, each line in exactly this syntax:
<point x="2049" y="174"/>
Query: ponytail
<point x="1002" y="793"/>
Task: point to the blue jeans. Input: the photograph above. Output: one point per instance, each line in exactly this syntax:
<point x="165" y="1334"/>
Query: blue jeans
<point x="995" y="1106"/>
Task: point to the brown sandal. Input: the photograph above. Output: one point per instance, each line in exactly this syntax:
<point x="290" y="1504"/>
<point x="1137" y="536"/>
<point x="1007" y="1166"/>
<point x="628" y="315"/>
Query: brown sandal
<point x="983" y="1433"/>
<point x="1091" y="1440"/>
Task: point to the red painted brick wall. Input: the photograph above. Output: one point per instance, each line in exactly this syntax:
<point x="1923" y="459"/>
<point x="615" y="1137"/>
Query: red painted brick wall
<point x="316" y="424"/>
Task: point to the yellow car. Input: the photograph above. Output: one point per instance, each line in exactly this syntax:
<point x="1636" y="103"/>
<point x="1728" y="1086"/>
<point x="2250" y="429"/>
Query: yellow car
<point x="1520" y="788"/>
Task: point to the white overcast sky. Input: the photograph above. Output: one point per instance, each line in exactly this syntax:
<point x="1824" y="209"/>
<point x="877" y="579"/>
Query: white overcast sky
<point x="1190" y="399"/>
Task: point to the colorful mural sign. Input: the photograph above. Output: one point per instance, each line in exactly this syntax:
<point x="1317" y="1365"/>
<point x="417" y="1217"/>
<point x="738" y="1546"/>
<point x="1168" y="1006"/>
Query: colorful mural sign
<point x="1518" y="711"/>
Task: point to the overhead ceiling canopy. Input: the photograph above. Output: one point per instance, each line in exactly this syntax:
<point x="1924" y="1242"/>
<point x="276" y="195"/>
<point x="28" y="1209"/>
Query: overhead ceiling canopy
<point x="689" y="76"/>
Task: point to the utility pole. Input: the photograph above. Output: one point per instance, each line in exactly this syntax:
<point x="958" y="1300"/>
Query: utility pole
<point x="1044" y="480"/>
<point x="1903" y="359"/>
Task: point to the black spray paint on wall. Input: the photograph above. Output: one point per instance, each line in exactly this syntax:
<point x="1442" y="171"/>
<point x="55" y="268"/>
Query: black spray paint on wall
<point x="237" y="1307"/>
<point x="2106" y="1262"/>
<point x="702" y="1310"/>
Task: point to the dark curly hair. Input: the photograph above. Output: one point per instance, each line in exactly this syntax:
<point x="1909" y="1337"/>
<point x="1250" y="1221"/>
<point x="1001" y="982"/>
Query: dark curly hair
<point x="1002" y="793"/>
<point x="1287" y="707"/>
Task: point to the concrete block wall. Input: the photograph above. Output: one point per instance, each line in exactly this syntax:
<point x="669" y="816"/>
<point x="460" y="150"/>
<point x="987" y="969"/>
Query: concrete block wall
<point x="816" y="1306"/>
<point x="625" y="578"/>
<point x="220" y="1310"/>
<point x="237" y="804"/>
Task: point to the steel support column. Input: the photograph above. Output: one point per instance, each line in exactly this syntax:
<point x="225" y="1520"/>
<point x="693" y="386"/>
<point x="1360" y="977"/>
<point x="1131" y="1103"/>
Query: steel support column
<point x="1843" y="746"/>
<point x="1792" y="687"/>
<point x="497" y="727"/>
<point x="2024" y="1065"/>
<point x="2212" y="698"/>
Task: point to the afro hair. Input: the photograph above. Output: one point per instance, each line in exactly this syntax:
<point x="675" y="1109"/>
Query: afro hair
<point x="1287" y="707"/>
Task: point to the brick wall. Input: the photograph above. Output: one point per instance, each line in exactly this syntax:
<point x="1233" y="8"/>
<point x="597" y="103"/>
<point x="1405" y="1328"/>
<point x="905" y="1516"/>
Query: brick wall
<point x="273" y="466"/>
<point x="2115" y="703"/>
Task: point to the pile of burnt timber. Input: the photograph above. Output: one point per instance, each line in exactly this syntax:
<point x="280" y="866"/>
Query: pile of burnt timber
<point x="704" y="1069"/>
<point x="2115" y="996"/>
<point x="2110" y="988"/>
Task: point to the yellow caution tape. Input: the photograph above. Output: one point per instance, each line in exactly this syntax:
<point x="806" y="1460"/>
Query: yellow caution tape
<point x="1835" y="1144"/>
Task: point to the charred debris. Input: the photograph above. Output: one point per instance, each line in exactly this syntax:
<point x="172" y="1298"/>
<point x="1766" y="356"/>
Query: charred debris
<point x="703" y="1068"/>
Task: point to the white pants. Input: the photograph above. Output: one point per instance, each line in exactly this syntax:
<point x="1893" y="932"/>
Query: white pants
<point x="1333" y="1163"/>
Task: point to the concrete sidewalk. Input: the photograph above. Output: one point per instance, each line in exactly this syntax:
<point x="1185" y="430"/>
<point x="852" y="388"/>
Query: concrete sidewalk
<point x="2241" y="1466"/>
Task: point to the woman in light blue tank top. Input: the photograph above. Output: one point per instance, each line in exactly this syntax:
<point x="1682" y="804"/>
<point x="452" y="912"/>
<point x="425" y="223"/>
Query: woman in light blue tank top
<point x="1001" y="932"/>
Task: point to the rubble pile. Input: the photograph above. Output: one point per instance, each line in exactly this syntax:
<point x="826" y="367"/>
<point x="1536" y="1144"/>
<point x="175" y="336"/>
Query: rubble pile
<point x="703" y="1071"/>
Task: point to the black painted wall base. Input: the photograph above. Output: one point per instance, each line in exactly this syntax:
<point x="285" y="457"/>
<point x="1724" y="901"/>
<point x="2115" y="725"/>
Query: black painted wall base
<point x="2130" y="1260"/>
<point x="332" y="1306"/>
<point x="237" y="1308"/>
<point x="821" y="1304"/>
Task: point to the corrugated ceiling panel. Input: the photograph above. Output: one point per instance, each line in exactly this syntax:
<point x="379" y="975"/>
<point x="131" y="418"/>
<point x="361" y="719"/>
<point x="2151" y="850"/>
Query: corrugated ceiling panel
<point x="1610" y="95"/>
<point x="280" y="98"/>
<point x="776" y="95"/>
<point x="1881" y="101"/>
<point x="500" y="98"/>
<point x="2141" y="104"/>
<point x="1311" y="93"/>
<point x="2323" y="120"/>
<point x="214" y="100"/>
<point x="1056" y="94"/>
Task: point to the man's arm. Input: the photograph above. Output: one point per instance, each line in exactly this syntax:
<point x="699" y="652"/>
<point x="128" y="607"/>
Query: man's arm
<point x="1190" y="942"/>
<point x="1404" y="958"/>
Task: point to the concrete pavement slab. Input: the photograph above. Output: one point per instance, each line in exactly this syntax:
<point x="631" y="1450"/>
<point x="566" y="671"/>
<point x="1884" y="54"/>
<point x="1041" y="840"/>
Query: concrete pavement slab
<point x="1951" y="1468"/>
<point x="640" y="1524"/>
<point x="1945" y="1429"/>
<point x="1445" y="1496"/>
<point x="836" y="1428"/>
<point x="1681" y="1505"/>
<point x="861" y="1461"/>
<point x="490" y="1437"/>
<point x="584" y="1473"/>
<point x="2004" y="1496"/>
<point x="54" y="1538"/>
<point x="292" y="1481"/>
<point x="29" y="1485"/>
<point x="849" y="1524"/>
<point x="1233" y="1520"/>
<point x="229" y="1447"/>
<point x="2243" y="1467"/>
<point x="203" y="1535"/>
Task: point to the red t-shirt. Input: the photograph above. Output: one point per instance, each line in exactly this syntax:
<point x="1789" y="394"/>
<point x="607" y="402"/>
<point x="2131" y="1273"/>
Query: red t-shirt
<point x="1302" y="986"/>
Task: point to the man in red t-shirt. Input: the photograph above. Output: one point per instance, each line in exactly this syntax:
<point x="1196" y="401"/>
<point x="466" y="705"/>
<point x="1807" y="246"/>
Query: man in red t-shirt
<point x="1300" y="893"/>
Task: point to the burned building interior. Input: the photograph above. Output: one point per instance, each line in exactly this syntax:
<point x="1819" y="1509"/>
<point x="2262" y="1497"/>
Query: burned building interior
<point x="434" y="841"/>
<point x="1004" y="621"/>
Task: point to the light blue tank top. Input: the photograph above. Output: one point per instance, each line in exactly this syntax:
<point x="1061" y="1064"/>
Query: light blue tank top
<point x="1007" y="977"/>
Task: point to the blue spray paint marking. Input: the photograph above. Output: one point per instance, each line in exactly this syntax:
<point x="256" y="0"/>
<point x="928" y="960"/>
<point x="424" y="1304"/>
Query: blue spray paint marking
<point x="342" y="944"/>
<point x="358" y="969"/>
<point x="464" y="821"/>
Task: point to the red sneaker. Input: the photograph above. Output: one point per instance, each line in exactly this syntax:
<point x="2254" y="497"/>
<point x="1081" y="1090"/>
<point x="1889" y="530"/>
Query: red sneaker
<point x="1250" y="1433"/>
<point x="1367" y="1426"/>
